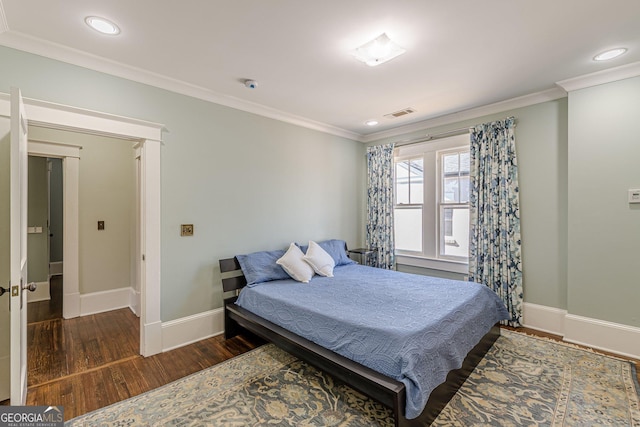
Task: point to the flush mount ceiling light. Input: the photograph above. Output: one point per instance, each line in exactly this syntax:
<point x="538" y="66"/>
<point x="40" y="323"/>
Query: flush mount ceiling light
<point x="102" y="25"/>
<point x="378" y="51"/>
<point x="371" y="122"/>
<point x="609" y="54"/>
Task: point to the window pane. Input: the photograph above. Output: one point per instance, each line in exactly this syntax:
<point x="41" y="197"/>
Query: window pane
<point x="447" y="219"/>
<point x="450" y="164"/>
<point x="464" y="189"/>
<point x="402" y="182"/>
<point x="457" y="242"/>
<point x="408" y="229"/>
<point x="450" y="190"/>
<point x="416" y="180"/>
<point x="464" y="162"/>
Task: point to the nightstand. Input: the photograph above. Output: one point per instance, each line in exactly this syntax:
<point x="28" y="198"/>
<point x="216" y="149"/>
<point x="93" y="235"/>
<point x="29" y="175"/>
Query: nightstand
<point x="365" y="255"/>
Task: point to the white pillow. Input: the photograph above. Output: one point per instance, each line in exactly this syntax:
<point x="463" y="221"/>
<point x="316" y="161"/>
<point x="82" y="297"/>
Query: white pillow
<point x="293" y="263"/>
<point x="320" y="260"/>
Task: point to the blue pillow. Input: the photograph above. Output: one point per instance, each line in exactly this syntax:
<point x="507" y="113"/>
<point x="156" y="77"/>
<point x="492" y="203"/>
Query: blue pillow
<point x="336" y="248"/>
<point x="259" y="267"/>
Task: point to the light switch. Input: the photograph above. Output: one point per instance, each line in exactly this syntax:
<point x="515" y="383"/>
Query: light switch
<point x="634" y="196"/>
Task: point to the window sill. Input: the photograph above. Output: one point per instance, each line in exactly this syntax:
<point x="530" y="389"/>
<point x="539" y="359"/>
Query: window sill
<point x="435" y="264"/>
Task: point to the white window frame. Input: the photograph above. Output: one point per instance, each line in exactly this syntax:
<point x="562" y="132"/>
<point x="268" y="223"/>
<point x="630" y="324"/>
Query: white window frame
<point x="441" y="204"/>
<point x="430" y="256"/>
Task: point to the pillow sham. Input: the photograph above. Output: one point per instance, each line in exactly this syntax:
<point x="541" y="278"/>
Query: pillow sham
<point x="321" y="262"/>
<point x="259" y="267"/>
<point x="336" y="248"/>
<point x="294" y="264"/>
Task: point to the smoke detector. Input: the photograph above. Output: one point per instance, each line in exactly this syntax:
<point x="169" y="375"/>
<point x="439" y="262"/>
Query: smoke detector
<point x="251" y="84"/>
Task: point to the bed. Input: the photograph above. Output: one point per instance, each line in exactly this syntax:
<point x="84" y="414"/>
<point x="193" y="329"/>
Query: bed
<point x="425" y="337"/>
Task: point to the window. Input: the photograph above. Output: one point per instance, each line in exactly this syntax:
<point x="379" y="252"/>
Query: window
<point x="432" y="199"/>
<point x="408" y="211"/>
<point x="454" y="203"/>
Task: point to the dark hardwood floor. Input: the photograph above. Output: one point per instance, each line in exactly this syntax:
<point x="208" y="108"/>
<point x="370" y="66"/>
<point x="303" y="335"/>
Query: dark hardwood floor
<point x="47" y="310"/>
<point x="90" y="362"/>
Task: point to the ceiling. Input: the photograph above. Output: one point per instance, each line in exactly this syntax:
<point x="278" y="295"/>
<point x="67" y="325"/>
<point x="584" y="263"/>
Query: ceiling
<point x="461" y="54"/>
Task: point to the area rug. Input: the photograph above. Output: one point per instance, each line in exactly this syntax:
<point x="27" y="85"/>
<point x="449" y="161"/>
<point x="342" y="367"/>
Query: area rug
<point x="522" y="381"/>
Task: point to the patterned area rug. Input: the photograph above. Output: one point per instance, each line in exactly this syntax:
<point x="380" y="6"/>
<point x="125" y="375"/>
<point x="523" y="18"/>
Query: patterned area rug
<point x="523" y="380"/>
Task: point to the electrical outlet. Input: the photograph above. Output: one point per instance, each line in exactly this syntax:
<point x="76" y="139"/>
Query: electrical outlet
<point x="100" y="225"/>
<point x="186" y="230"/>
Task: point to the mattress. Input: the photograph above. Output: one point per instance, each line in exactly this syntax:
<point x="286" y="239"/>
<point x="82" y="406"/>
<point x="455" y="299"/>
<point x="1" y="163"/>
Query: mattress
<point x="409" y="327"/>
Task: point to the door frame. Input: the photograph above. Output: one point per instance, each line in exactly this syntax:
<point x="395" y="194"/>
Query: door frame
<point x="149" y="138"/>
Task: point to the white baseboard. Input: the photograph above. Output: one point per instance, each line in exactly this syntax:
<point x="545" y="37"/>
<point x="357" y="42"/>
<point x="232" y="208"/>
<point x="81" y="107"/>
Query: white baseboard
<point x="151" y="339"/>
<point x="607" y="336"/>
<point x="55" y="268"/>
<point x="187" y="330"/>
<point x="543" y="318"/>
<point x="134" y="301"/>
<point x="42" y="293"/>
<point x="598" y="334"/>
<point x="99" y="302"/>
<point x="71" y="305"/>
<point x="602" y="335"/>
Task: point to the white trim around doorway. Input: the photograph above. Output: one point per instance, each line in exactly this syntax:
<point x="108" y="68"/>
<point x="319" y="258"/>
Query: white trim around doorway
<point x="149" y="136"/>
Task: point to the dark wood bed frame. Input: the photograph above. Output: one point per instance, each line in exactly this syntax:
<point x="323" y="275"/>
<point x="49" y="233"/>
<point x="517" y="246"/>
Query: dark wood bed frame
<point x="377" y="386"/>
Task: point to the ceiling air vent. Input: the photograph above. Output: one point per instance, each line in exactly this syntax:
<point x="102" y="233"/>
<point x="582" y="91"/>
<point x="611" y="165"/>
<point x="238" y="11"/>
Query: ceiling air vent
<point x="400" y="113"/>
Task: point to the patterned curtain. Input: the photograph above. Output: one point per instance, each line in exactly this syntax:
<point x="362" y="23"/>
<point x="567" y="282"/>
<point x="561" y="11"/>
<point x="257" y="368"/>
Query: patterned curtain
<point x="380" y="204"/>
<point x="494" y="248"/>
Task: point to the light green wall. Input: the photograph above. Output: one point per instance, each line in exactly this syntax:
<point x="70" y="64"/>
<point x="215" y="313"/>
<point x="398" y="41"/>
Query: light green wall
<point x="37" y="251"/>
<point x="604" y="229"/>
<point x="246" y="182"/>
<point x="541" y="145"/>
<point x="5" y="258"/>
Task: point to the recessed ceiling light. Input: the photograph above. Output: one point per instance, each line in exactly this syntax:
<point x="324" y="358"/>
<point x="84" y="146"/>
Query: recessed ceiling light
<point x="378" y="51"/>
<point x="102" y="25"/>
<point x="371" y="122"/>
<point x="609" y="54"/>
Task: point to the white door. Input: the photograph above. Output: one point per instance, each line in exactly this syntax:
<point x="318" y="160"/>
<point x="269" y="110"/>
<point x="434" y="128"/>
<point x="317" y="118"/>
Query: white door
<point x="18" y="242"/>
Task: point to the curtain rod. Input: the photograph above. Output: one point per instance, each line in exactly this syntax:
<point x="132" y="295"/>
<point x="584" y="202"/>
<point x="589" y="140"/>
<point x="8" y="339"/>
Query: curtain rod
<point x="429" y="137"/>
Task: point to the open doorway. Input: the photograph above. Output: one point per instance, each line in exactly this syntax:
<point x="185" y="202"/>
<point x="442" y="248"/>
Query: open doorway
<point x="147" y="136"/>
<point x="107" y="239"/>
<point x="56" y="216"/>
<point x="103" y="237"/>
<point x="44" y="216"/>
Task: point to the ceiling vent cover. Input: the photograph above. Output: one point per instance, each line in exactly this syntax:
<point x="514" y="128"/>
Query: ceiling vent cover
<point x="400" y="113"/>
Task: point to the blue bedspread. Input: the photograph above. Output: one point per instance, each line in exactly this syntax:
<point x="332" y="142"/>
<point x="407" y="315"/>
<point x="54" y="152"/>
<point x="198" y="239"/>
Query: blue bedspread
<point x="412" y="328"/>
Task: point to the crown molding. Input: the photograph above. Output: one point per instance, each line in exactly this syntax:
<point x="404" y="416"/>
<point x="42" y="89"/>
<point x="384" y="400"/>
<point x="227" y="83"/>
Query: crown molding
<point x="601" y="77"/>
<point x="4" y="26"/>
<point x="37" y="46"/>
<point x="473" y="113"/>
<point x="62" y="53"/>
